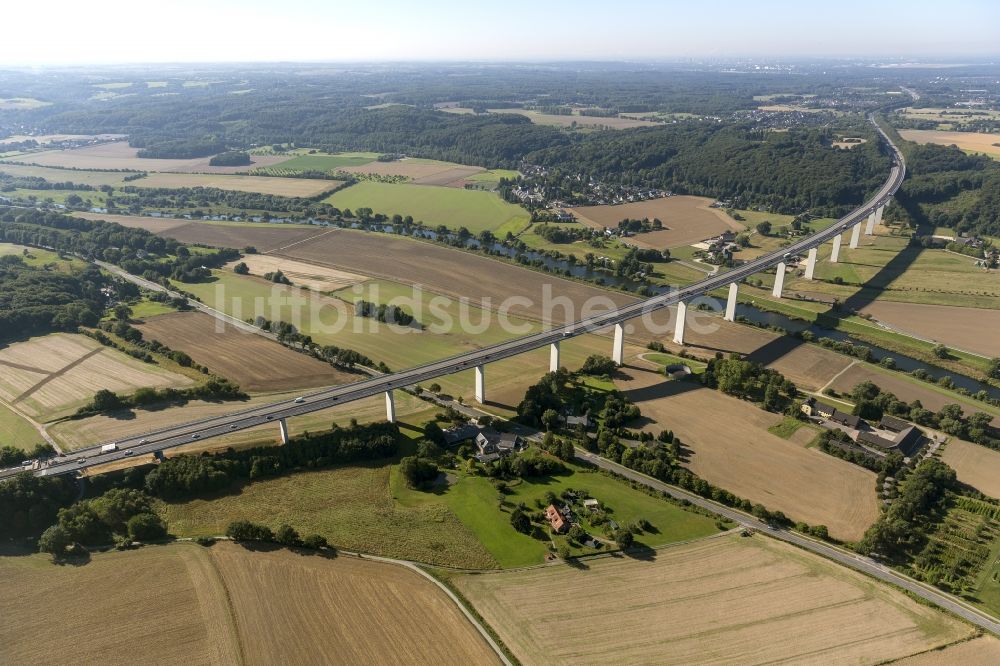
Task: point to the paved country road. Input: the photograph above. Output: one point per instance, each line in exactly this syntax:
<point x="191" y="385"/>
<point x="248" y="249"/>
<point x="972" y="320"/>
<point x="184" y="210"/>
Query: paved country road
<point x="847" y="558"/>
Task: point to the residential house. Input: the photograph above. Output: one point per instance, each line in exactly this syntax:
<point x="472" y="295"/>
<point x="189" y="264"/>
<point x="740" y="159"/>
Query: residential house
<point x="591" y="504"/>
<point x="500" y="444"/>
<point x="556" y="520"/>
<point x="813" y="407"/>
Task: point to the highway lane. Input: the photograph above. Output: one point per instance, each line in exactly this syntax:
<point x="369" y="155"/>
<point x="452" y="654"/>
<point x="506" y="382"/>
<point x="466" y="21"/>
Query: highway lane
<point x="337" y="395"/>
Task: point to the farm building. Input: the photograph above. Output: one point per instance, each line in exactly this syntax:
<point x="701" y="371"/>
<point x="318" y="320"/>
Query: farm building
<point x="907" y="441"/>
<point x="843" y="418"/>
<point x="556" y="520"/>
<point x="893" y="424"/>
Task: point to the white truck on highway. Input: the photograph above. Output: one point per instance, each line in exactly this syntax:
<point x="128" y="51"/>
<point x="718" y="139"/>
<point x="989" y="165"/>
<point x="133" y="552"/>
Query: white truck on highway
<point x="108" y="448"/>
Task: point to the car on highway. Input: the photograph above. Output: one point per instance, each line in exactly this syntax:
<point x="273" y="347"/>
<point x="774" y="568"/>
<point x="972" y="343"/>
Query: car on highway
<point x="196" y="436"/>
<point x="128" y="452"/>
<point x="27" y="463"/>
<point x="232" y="426"/>
<point x="269" y="417"/>
<point x="144" y="441"/>
<point x="299" y="400"/>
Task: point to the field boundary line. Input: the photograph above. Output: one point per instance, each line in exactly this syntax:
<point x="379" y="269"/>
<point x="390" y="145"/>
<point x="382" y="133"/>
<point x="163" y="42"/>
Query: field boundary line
<point x="298" y="242"/>
<point x="57" y="374"/>
<point x="836" y="376"/>
<point x="451" y="595"/>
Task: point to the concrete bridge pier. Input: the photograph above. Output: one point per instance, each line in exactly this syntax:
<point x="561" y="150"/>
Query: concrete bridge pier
<point x="682" y="309"/>
<point x="811" y="263"/>
<point x="283" y="426"/>
<point x="618" y="350"/>
<point x="554" y="356"/>
<point x="870" y="224"/>
<point x="878" y="214"/>
<point x="855" y="235"/>
<point x="390" y="407"/>
<point x="481" y="384"/>
<point x="734" y="290"/>
<point x="779" y="279"/>
<point x="835" y="252"/>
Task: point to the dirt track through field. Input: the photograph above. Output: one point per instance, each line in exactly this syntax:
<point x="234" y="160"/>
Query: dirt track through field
<point x="56" y="375"/>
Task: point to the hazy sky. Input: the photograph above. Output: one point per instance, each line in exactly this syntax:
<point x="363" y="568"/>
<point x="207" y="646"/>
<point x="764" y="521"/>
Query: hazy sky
<point x="102" y="31"/>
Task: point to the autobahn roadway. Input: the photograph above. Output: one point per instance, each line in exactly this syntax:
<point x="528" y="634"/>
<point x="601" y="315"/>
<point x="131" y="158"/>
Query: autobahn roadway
<point x="186" y="433"/>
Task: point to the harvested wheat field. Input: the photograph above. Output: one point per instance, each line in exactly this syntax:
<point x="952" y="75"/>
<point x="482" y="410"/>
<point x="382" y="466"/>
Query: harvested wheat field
<point x="183" y="603"/>
<point x="981" y="651"/>
<point x="975" y="465"/>
<point x="252" y="361"/>
<point x="686" y="220"/>
<point x="950" y="325"/>
<point x="730" y="447"/>
<point x="299" y="608"/>
<point x="118" y="155"/>
<point x="53" y="375"/>
<point x="979" y="142"/>
<point x="302" y="274"/>
<point x="282" y="187"/>
<point x="167" y="604"/>
<point x="725" y="600"/>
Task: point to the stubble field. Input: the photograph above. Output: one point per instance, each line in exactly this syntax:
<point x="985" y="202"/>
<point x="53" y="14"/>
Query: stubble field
<point x="722" y="600"/>
<point x="735" y="451"/>
<point x="167" y="605"/>
<point x="975" y="465"/>
<point x="252" y="361"/>
<point x="224" y="605"/>
<point x="293" y="608"/>
<point x="51" y="376"/>
<point x="302" y="274"/>
<point x="686" y="220"/>
<point x="977" y="142"/>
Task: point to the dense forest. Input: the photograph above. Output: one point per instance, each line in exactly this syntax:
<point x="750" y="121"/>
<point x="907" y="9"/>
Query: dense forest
<point x="36" y="300"/>
<point x="782" y="171"/>
<point x="948" y="188"/>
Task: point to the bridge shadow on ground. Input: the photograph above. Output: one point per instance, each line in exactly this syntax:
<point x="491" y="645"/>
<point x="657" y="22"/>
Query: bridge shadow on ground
<point x="865" y="295"/>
